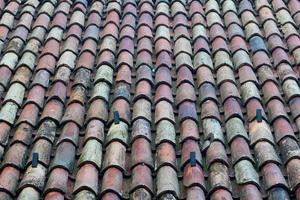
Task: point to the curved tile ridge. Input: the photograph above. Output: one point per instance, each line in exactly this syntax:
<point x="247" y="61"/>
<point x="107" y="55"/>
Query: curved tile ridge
<point x="115" y="162"/>
<point x="261" y="138"/>
<point x="87" y="184"/>
<point x="213" y="145"/>
<point x="165" y="159"/>
<point x="26" y="122"/>
<point x="89" y="163"/>
<point x="142" y="164"/>
<point x="288" y="78"/>
<point x="294" y="8"/>
<point x="17" y="41"/>
<point x="193" y="176"/>
<point x="8" y="18"/>
<point x="33" y="182"/>
<point x="2" y="5"/>
<point x="18" y="84"/>
<point x="62" y="165"/>
<point x="245" y="174"/>
<point x="284" y="133"/>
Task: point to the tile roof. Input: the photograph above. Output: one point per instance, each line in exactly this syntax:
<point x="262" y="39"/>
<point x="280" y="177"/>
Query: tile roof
<point x="183" y="99"/>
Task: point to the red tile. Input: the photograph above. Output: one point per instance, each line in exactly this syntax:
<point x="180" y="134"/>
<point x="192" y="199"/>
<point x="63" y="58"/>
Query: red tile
<point x="135" y="58"/>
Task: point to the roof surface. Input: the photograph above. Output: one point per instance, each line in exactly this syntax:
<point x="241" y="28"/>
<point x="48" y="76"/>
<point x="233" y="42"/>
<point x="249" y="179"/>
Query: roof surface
<point x="149" y="100"/>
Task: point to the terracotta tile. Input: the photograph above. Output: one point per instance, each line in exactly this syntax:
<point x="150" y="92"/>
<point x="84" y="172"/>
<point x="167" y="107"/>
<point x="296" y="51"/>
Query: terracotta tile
<point x="165" y="156"/>
<point x="122" y="91"/>
<point x="225" y="74"/>
<point x="142" y="109"/>
<point x="141" y="129"/>
<point x="144" y="73"/>
<point x="187" y="110"/>
<point x="143" y="90"/>
<point x="199" y="31"/>
<point x="222" y="58"/>
<point x="234" y="30"/>
<point x="162" y="76"/>
<point x="218" y="177"/>
<point x="53" y="110"/>
<point x="221" y="193"/>
<point x="238" y="43"/>
<point x="209" y="109"/>
<point x="112" y="182"/>
<point x="4" y="32"/>
<point x="88" y="156"/>
<point x="204" y="75"/>
<point x="8" y="112"/>
<point x="29" y="115"/>
<point x="141" y="179"/>
<point x="164" y="110"/>
<point x="162" y="45"/>
<point x="219" y="44"/>
<point x="9" y="180"/>
<point x="263" y="135"/>
<point x="23" y="134"/>
<point x="47" y="62"/>
<point x="240" y="150"/>
<point x="144" y="58"/>
<point x="212" y="131"/>
<point x="249" y="91"/>
<point x="189" y="130"/>
<point x="161" y="19"/>
<point x="167" y="185"/>
<point x="252" y="106"/>
<point x="74" y="113"/>
<point x="250" y="191"/>
<point x="97" y="110"/>
<point x="216" y="31"/>
<point x="165" y="132"/>
<point x="276" y="110"/>
<point x="57" y="91"/>
<point x="212" y="6"/>
<point x="193" y="176"/>
<point x="203" y="59"/>
<point x="216" y="153"/>
<point x="195" y="193"/>
<point x="36" y="96"/>
<point x="187" y="147"/>
<point x="145" y="19"/>
<point x="105" y="57"/>
<point x="265" y="153"/>
<point x="214" y="18"/>
<point x="246" y="74"/>
<point x="185" y="92"/>
<point x="21" y="32"/>
<point x="141" y="153"/>
<point x="55" y="183"/>
<point x="230" y="17"/>
<point x="114" y="157"/>
<point x="86" y="177"/>
<point x="144" y="31"/>
<point x="261" y="58"/>
<point x="280" y="56"/>
<point x="245" y="173"/>
<point x="144" y="44"/>
<point x="288" y="147"/>
<point x="228" y="90"/>
<point x="235" y="128"/>
<point x="292" y="170"/>
<point x="128" y="51"/>
<point x="200" y="44"/>
<point x="291" y="89"/>
<point x="34" y="177"/>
